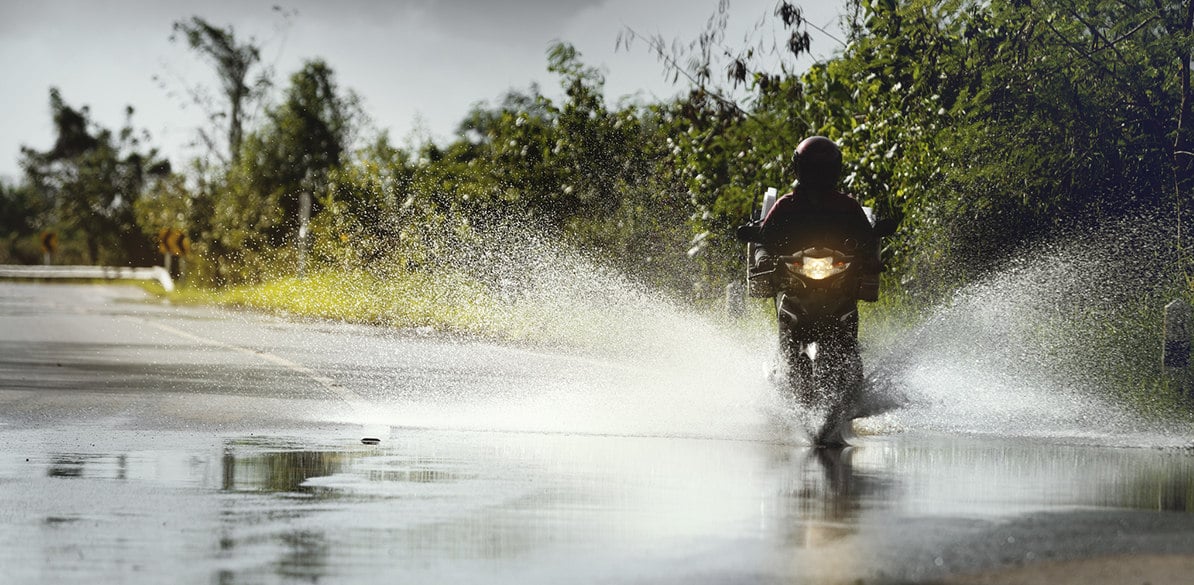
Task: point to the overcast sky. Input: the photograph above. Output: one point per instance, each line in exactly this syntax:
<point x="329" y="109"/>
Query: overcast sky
<point x="419" y="65"/>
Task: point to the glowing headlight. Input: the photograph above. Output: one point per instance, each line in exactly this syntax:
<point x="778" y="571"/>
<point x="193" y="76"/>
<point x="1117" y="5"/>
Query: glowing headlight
<point x="821" y="268"/>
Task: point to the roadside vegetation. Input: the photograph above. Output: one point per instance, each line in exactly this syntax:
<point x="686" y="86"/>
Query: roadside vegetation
<point x="414" y="301"/>
<point x="988" y="128"/>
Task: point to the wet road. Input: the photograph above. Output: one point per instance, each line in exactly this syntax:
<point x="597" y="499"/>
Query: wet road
<point x="141" y="442"/>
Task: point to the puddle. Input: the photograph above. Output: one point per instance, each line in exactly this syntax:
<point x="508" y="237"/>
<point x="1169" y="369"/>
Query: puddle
<point x="536" y="507"/>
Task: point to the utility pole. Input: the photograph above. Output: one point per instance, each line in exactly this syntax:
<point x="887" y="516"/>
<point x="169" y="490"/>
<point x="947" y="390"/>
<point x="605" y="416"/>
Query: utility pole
<point x="185" y="248"/>
<point x="304" y="223"/>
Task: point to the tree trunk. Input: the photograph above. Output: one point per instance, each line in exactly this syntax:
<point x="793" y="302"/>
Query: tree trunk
<point x="234" y="127"/>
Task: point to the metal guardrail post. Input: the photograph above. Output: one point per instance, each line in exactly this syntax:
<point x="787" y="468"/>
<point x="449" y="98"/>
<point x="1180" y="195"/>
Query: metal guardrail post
<point x="163" y="277"/>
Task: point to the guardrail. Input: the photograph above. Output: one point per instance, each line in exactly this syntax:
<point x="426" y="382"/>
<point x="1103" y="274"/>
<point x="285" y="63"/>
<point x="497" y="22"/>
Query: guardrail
<point x="89" y="272"/>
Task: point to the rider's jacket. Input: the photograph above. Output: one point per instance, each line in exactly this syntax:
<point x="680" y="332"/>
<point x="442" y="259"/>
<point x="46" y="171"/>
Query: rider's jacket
<point x="799" y="220"/>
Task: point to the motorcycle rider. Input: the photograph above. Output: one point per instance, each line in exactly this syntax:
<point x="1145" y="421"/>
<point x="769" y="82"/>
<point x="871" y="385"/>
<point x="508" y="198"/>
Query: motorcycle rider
<point x="815" y="214"/>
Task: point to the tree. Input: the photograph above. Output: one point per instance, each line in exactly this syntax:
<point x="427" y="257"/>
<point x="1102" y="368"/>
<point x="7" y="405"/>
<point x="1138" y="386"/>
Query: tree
<point x="23" y="213"/>
<point x="312" y="130"/>
<point x="303" y="138"/>
<point x="92" y="179"/>
<point x="233" y="62"/>
<point x="732" y="135"/>
<point x="986" y="126"/>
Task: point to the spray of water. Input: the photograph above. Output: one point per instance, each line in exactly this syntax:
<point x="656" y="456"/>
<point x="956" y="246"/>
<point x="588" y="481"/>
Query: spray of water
<point x="623" y="358"/>
<point x="1017" y="354"/>
<point x="1063" y="342"/>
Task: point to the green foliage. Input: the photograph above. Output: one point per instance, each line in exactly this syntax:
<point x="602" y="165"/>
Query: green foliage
<point x="167" y="203"/>
<point x="23" y="212"/>
<point x="984" y="126"/>
<point x="90" y="180"/>
<point x="990" y="125"/>
<point x="252" y="215"/>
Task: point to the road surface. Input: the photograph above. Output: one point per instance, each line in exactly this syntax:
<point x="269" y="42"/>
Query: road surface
<point x="146" y="443"/>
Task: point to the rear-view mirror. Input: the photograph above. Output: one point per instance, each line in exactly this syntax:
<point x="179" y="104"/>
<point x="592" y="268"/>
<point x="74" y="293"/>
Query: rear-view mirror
<point x="750" y="233"/>
<point x="885" y="227"/>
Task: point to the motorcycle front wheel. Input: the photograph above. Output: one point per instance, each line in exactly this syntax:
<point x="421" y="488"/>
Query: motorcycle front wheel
<point x="824" y="378"/>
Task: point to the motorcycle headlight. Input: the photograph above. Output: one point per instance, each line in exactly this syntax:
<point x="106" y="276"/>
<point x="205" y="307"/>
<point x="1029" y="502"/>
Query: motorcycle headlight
<point x="820" y="268"/>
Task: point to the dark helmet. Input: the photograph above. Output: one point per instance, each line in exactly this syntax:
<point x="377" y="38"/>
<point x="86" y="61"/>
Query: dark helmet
<point x="818" y="162"/>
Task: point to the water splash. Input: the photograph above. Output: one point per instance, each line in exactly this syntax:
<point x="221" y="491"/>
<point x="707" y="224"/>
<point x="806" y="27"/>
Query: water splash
<point x="1057" y="344"/>
<point x="1025" y="352"/>
<point x="602" y="353"/>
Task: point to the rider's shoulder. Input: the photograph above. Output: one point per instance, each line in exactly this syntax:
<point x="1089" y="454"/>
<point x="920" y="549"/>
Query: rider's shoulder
<point x="842" y="201"/>
<point x="844" y="196"/>
<point x="836" y="202"/>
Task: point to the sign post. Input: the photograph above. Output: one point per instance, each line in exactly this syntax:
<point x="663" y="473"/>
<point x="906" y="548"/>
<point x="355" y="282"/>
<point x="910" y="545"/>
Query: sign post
<point x="49" y="245"/>
<point x="163" y="236"/>
<point x="173" y="242"/>
<point x="174" y="245"/>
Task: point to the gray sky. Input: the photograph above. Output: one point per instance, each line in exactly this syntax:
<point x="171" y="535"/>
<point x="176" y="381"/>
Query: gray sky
<point x="419" y="65"/>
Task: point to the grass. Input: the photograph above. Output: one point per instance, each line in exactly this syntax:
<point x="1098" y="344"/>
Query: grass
<point x="444" y="302"/>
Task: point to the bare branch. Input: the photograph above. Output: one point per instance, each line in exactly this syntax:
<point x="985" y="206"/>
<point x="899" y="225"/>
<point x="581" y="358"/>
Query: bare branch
<point x="1094" y="31"/>
<point x="1134" y="30"/>
<point x="827" y="33"/>
<point x="655" y="44"/>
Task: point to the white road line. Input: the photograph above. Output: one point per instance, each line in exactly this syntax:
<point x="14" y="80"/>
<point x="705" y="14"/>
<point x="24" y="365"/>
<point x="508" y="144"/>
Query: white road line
<point x="354" y="400"/>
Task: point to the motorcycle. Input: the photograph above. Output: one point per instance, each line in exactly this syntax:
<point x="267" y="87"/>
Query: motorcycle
<point x="816" y="292"/>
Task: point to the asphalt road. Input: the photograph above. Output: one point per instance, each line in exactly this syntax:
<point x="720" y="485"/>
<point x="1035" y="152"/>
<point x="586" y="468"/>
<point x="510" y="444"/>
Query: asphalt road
<point x="146" y="443"/>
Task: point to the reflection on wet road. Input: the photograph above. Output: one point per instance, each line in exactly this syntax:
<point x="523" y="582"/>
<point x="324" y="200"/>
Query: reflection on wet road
<point x="528" y="507"/>
<point x="131" y="455"/>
